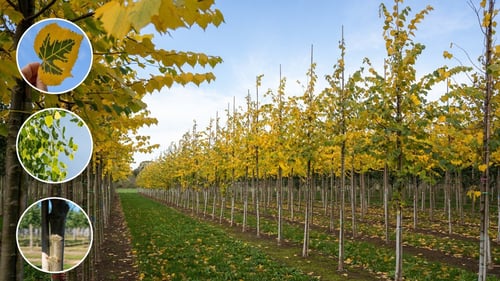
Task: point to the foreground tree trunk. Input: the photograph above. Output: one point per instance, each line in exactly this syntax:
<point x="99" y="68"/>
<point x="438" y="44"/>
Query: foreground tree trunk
<point x="10" y="262"/>
<point x="57" y="221"/>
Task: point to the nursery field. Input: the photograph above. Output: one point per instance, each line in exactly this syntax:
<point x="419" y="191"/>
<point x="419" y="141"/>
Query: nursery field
<point x="430" y="253"/>
<point x="172" y="246"/>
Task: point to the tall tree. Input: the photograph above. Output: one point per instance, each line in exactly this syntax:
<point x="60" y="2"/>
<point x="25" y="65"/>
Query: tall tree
<point x="488" y="25"/>
<point x="400" y="99"/>
<point x="113" y="90"/>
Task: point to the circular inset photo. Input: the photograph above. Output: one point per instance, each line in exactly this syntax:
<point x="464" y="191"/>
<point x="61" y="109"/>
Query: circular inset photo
<point x="54" y="145"/>
<point x="54" y="56"/>
<point x="54" y="235"/>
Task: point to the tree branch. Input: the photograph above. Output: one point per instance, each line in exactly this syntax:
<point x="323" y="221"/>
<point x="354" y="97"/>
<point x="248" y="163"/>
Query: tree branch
<point x="11" y="4"/>
<point x="82" y="17"/>
<point x="43" y="10"/>
<point x="476" y="11"/>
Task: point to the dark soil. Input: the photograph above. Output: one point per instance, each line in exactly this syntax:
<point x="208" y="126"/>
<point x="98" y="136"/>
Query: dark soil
<point x="118" y="262"/>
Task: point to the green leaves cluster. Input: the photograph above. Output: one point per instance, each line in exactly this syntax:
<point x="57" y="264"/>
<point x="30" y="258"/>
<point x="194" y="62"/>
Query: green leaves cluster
<point x="40" y="142"/>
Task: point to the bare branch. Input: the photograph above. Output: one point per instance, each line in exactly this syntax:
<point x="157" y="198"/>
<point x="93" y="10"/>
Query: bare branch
<point x="11" y="4"/>
<point x="468" y="57"/>
<point x="476" y="11"/>
<point x="82" y="17"/>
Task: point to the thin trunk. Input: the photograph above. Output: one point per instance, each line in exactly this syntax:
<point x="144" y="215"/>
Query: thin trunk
<point x="233" y="195"/>
<point x="498" y="204"/>
<point x="353" y="201"/>
<point x="399" y="242"/>
<point x="447" y="180"/>
<point x="197" y="202"/>
<point x="484" y="249"/>
<point x="415" y="202"/>
<point x="386" y="203"/>
<point x="290" y="185"/>
<point x="222" y="206"/>
<point x="458" y="183"/>
<point x="332" y="202"/>
<point x="280" y="205"/>
<point x="257" y="201"/>
<point x="31" y="235"/>
<point x="245" y="202"/>
<point x="214" y="203"/>
<point x="342" y="208"/>
<point x="362" y="195"/>
<point x="431" y="202"/>
<point x="205" y="201"/>
<point x="307" y="199"/>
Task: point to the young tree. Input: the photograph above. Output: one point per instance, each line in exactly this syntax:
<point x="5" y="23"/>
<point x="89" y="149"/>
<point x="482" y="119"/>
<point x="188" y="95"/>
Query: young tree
<point x="401" y="97"/>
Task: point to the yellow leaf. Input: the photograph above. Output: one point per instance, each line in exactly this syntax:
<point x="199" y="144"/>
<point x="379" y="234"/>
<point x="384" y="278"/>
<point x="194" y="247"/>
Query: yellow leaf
<point x="415" y="100"/>
<point x="114" y="19"/>
<point x="482" y="167"/>
<point x="58" y="48"/>
<point x="447" y="55"/>
<point x="57" y="115"/>
<point x="49" y="120"/>
<point x="140" y="13"/>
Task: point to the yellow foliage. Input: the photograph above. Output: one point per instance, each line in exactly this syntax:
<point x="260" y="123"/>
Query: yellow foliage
<point x="58" y="48"/>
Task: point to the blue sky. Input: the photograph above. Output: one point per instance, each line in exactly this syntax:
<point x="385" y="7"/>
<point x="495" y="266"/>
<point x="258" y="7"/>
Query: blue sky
<point x="259" y="35"/>
<point x="26" y="54"/>
<point x="82" y="137"/>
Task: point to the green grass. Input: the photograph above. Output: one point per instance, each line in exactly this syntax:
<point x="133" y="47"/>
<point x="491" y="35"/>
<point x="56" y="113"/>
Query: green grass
<point x="376" y="259"/>
<point x="126" y="190"/>
<point x="172" y="246"/>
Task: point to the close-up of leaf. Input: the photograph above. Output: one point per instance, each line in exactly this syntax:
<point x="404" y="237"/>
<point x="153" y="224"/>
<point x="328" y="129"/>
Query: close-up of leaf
<point x="57" y="47"/>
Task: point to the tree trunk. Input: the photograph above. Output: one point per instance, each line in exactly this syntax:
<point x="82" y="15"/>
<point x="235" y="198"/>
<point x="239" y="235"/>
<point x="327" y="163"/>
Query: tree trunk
<point x="57" y="222"/>
<point x="362" y="195"/>
<point x="342" y="207"/>
<point x="280" y="205"/>
<point x="290" y="187"/>
<point x="386" y="203"/>
<point x="353" y="201"/>
<point x="498" y="204"/>
<point x="245" y="202"/>
<point x="332" y="201"/>
<point x="45" y="235"/>
<point x="257" y="188"/>
<point x="10" y="264"/>
<point x="458" y="183"/>
<point x="447" y="180"/>
<point x="307" y="199"/>
<point x="399" y="241"/>
<point x="484" y="249"/>
<point x="415" y="202"/>
<point x="233" y="195"/>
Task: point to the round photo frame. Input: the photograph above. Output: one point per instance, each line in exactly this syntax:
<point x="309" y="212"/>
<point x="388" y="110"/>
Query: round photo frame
<point x="54" y="56"/>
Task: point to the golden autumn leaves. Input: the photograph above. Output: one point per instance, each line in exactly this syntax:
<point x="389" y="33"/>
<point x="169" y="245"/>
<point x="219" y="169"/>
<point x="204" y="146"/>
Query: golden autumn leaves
<point x="57" y="47"/>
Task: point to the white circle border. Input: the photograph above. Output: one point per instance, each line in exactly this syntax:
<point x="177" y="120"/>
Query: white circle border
<point x="86" y="39"/>
<point x="86" y="162"/>
<point x="91" y="235"/>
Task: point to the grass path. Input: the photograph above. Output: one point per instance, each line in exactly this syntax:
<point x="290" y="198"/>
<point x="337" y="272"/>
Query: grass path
<point x="174" y="246"/>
